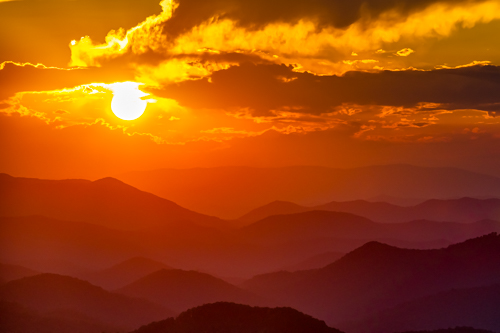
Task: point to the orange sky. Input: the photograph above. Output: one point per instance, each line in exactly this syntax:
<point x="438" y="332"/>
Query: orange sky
<point x="259" y="83"/>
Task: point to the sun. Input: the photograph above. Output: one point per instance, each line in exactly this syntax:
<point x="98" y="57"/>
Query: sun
<point x="127" y="102"/>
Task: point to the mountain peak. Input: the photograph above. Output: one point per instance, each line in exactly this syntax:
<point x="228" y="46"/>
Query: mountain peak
<point x="375" y="247"/>
<point x="110" y="181"/>
<point x="53" y="292"/>
<point x="107" y="201"/>
<point x="369" y="254"/>
<point x="231" y="317"/>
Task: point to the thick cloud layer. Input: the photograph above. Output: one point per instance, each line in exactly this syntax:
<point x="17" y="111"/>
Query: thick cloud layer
<point x="336" y="13"/>
<point x="263" y="88"/>
<point x="312" y="35"/>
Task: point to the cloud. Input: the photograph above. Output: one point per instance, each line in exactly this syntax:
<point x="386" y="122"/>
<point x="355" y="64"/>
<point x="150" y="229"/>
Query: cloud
<point x="139" y="39"/>
<point x="252" y="99"/>
<point x="263" y="88"/>
<point x="15" y="77"/>
<point x="405" y="52"/>
<point x="256" y="14"/>
<point x="318" y="36"/>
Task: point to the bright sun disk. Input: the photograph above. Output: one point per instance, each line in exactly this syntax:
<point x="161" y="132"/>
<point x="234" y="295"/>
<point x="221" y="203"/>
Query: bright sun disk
<point x="127" y="102"/>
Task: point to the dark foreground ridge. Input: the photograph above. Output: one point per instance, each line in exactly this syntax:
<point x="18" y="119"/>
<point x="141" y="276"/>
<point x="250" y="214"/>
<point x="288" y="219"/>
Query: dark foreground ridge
<point x="225" y="317"/>
<point x="68" y="297"/>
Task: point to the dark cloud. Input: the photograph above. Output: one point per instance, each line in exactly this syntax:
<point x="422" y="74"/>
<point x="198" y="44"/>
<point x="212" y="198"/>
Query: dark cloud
<point x="336" y="13"/>
<point x="14" y="78"/>
<point x="271" y="87"/>
<point x="227" y="57"/>
<point x="152" y="58"/>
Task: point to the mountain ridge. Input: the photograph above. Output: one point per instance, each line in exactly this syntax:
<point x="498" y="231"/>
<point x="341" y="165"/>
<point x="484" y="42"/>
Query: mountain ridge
<point x="125" y="272"/>
<point x="379" y="276"/>
<point x="53" y="292"/>
<point x="181" y="290"/>
<point x="108" y="202"/>
<point x="224" y="317"/>
<point x="464" y="210"/>
<point x="204" y="189"/>
<point x="473" y="307"/>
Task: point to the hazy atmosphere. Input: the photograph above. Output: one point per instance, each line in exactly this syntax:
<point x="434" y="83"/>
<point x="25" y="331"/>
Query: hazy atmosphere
<point x="255" y="166"/>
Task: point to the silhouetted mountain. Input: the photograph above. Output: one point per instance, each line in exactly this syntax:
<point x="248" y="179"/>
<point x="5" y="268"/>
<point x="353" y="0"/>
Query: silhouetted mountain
<point x="236" y="318"/>
<point x="322" y="224"/>
<point x="62" y="247"/>
<point x="230" y="192"/>
<point x="423" y="230"/>
<point x="271" y="209"/>
<point x="51" y="245"/>
<point x="16" y="318"/>
<point x="14" y="272"/>
<point x="48" y="293"/>
<point x="180" y="290"/>
<point x="474" y="307"/>
<point x="317" y="261"/>
<point x="456" y="210"/>
<point x="107" y="202"/>
<point x="125" y="272"/>
<point x="78" y="248"/>
<point x="376" y="276"/>
<point x="309" y="225"/>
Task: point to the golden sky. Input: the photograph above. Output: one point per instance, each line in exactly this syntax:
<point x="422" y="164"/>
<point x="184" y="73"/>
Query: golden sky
<point x="260" y="83"/>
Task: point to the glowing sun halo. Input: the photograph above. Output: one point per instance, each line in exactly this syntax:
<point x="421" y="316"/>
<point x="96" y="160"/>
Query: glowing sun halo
<point x="127" y="102"/>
